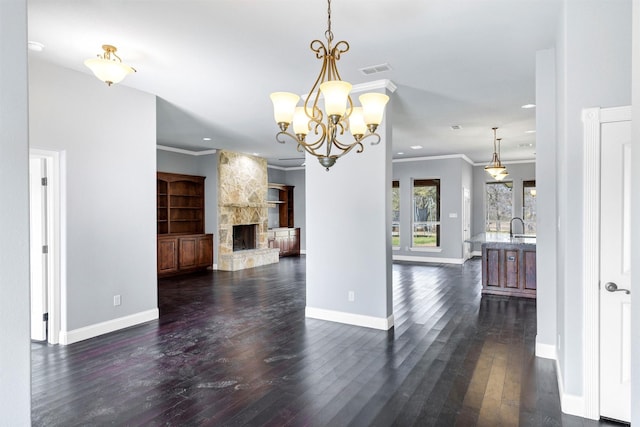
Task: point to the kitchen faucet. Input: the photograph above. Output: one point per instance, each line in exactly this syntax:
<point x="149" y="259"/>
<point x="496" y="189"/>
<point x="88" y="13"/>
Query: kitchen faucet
<point x="511" y="225"/>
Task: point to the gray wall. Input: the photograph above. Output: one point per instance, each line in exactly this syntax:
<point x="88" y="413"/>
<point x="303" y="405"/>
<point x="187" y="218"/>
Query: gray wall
<point x="204" y="165"/>
<point x="15" y="369"/>
<point x="108" y="190"/>
<point x="593" y="69"/>
<point x="453" y="174"/>
<point x="546" y="202"/>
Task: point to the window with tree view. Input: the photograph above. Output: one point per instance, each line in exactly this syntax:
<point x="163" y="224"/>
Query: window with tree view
<point x="499" y="206"/>
<point x="426" y="213"/>
<point x="529" y="206"/>
<point x="395" y="213"/>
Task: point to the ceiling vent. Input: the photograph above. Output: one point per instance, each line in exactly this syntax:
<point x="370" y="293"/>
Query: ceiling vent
<point x="456" y="127"/>
<point x="374" y="69"/>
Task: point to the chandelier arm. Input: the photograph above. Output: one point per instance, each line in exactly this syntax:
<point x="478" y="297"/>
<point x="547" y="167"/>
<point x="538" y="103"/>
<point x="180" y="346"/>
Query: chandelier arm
<point x="375" y="135"/>
<point x="290" y="135"/>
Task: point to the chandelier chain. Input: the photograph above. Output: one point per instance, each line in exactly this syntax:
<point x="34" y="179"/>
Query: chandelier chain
<point x="329" y="34"/>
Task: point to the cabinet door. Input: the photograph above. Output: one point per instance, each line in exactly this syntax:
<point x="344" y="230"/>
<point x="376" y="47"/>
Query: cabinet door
<point x="205" y="250"/>
<point x="294" y="241"/>
<point x="511" y="264"/>
<point x="187" y="255"/>
<point x="167" y="255"/>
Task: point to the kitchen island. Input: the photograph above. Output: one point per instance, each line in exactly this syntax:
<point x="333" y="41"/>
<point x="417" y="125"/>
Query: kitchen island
<point x="508" y="264"/>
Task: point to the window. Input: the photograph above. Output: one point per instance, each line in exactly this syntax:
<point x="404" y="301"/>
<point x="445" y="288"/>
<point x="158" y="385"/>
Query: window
<point x="426" y="213"/>
<point x="529" y="206"/>
<point x="395" y="213"/>
<point x="499" y="206"/>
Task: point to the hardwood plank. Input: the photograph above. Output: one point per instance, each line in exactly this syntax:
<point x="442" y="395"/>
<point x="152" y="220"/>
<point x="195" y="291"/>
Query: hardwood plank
<point x="234" y="348"/>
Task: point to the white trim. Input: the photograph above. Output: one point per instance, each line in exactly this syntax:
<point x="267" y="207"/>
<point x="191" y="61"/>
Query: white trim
<point x="443" y="157"/>
<point x="420" y="249"/>
<point x="509" y="162"/>
<point x="476" y="253"/>
<point x="52" y="159"/>
<point x="428" y="259"/>
<point x="592" y="119"/>
<point x="350" y="318"/>
<point x="303" y="251"/>
<point x="569" y="403"/>
<point x="286" y="168"/>
<point x="546" y="351"/>
<point x="184" y="151"/>
<point x="91" y="331"/>
<point x="591" y="263"/>
<point x="376" y="84"/>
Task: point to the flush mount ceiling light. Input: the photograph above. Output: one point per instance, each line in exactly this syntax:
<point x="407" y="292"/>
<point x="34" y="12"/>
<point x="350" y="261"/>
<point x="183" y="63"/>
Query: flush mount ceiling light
<point x="108" y="67"/>
<point x="341" y="115"/>
<point x="495" y="167"/>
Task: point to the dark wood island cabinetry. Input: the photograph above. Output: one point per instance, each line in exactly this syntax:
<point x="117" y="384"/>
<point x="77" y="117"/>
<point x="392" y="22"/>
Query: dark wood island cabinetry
<point x="509" y="268"/>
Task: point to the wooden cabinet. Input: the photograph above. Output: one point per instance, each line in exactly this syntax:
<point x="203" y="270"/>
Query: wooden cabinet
<point x="180" y="203"/>
<point x="281" y="198"/>
<point x="184" y="253"/>
<point x="182" y="245"/>
<point x="287" y="240"/>
<point x="509" y="269"/>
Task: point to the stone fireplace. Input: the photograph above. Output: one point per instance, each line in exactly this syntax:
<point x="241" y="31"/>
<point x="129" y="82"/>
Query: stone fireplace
<point x="242" y="201"/>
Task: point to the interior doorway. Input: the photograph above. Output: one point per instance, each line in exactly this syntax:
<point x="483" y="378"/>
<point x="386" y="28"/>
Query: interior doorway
<point x="44" y="220"/>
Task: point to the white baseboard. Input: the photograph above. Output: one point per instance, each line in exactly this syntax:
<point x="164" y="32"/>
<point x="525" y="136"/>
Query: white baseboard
<point x="350" y="318"/>
<point x="303" y="251"/>
<point x="546" y="351"/>
<point x="91" y="331"/>
<point x="412" y="258"/>
<point x="569" y="403"/>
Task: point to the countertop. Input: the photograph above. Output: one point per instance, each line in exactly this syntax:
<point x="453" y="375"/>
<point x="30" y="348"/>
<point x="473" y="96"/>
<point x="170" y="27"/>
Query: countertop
<point x="498" y="239"/>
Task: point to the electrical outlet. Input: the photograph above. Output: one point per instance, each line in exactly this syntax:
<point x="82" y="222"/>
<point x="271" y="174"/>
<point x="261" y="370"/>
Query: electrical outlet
<point x="352" y="296"/>
<point x="116" y="300"/>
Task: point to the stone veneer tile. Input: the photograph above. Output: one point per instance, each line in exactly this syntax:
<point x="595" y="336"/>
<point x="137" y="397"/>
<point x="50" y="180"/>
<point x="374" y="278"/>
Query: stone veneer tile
<point x="242" y="199"/>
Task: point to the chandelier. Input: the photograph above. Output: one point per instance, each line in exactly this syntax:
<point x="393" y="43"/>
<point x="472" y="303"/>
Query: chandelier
<point x="495" y="167"/>
<point x="341" y="114"/>
<point x="108" y="67"/>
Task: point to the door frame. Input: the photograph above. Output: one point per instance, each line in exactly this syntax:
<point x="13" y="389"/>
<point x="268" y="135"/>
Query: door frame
<point x="592" y="119"/>
<point x="54" y="279"/>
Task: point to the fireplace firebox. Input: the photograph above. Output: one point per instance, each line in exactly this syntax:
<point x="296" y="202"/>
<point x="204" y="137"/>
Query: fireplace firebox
<point x="244" y="237"/>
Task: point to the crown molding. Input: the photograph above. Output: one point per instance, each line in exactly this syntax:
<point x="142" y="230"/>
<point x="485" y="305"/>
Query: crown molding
<point x="183" y="151"/>
<point x="508" y="162"/>
<point x="443" y="157"/>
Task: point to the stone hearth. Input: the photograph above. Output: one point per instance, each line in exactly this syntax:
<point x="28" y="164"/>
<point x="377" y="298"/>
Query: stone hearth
<point x="242" y="199"/>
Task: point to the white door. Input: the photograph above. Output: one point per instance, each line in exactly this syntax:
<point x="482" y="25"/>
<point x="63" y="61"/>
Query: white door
<point x="615" y="271"/>
<point x="466" y="222"/>
<point x="38" y="245"/>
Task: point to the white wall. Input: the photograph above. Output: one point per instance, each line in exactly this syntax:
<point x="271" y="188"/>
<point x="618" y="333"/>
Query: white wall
<point x="108" y="137"/>
<point x="593" y="64"/>
<point x="15" y="348"/>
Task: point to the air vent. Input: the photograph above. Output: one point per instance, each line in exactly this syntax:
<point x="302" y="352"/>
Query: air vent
<point x="374" y="69"/>
<point x="456" y="127"/>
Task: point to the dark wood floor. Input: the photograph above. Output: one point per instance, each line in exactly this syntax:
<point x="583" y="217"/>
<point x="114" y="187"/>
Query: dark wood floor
<point x="235" y="349"/>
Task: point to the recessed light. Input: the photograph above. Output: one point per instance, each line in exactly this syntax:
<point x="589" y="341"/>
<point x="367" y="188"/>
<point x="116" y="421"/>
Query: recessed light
<point x="529" y="106"/>
<point x="526" y="144"/>
<point x="35" y="46"/>
<point x="530" y="131"/>
<point x="400" y="153"/>
<point x="416" y="147"/>
<point x="256" y="154"/>
<point x="206" y="139"/>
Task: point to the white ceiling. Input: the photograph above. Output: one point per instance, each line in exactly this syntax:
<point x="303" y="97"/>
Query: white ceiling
<point x="214" y="63"/>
